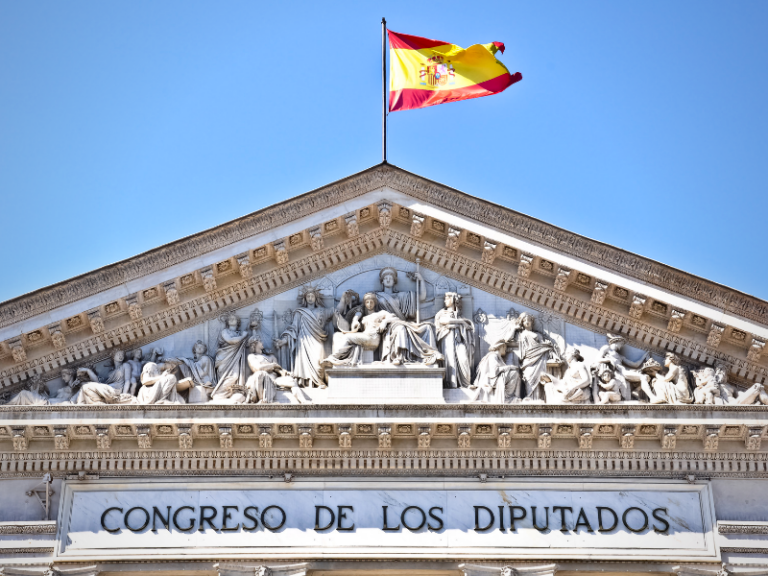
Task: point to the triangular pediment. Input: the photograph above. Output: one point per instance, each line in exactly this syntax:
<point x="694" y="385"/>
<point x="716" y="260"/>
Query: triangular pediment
<point x="383" y="212"/>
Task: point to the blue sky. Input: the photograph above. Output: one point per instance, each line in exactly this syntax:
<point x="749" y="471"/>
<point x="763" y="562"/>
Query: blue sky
<point x="126" y="125"/>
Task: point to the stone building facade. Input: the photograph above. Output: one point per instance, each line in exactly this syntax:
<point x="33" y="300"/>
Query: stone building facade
<point x="384" y="376"/>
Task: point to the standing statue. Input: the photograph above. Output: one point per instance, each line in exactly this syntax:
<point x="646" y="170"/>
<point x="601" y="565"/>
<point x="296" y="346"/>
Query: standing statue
<point x="158" y="385"/>
<point x="366" y="323"/>
<point x="405" y="341"/>
<point x="230" y="362"/>
<point x="536" y="351"/>
<point x="302" y="343"/>
<point x="496" y="382"/>
<point x="672" y="387"/>
<point x="627" y="372"/>
<point x="267" y="377"/>
<point x="574" y="387"/>
<point x="116" y="389"/>
<point x="135" y="361"/>
<point x="456" y="338"/>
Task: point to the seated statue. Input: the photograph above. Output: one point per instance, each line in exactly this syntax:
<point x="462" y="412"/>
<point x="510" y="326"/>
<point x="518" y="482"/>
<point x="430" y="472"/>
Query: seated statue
<point x="575" y="385"/>
<point x="199" y="370"/>
<point x="158" y="385"/>
<point x="755" y="394"/>
<point x="707" y="389"/>
<point x="405" y="341"/>
<point x="366" y="323"/>
<point x="672" y="387"/>
<point x="607" y="389"/>
<point x="116" y="390"/>
<point x="267" y="377"/>
<point x="496" y="382"/>
<point x="34" y="393"/>
<point x="626" y="371"/>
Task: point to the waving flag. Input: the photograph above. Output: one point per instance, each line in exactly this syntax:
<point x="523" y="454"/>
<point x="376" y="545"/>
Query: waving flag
<point x="427" y="72"/>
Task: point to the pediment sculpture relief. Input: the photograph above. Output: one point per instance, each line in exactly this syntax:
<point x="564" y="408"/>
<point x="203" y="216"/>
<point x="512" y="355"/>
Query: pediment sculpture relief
<point x="393" y="329"/>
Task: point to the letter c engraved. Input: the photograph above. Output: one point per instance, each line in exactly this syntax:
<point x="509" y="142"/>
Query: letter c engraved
<point x="104" y="520"/>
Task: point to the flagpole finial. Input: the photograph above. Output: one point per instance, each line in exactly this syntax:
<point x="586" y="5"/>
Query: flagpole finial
<point x="383" y="20"/>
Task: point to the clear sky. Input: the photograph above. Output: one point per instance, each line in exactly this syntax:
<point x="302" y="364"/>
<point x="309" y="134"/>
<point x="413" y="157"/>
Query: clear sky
<point x="126" y="125"/>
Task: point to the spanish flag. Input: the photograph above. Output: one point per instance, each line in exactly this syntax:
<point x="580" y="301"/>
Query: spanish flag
<point x="427" y="72"/>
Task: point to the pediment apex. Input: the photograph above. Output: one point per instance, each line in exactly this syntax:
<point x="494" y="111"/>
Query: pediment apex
<point x="398" y="204"/>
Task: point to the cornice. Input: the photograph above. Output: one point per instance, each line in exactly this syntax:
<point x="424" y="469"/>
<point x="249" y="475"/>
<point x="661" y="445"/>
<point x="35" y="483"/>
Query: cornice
<point x="499" y="217"/>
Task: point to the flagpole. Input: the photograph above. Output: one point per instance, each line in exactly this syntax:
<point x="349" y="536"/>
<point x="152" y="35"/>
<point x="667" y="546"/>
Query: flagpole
<point x="384" y="89"/>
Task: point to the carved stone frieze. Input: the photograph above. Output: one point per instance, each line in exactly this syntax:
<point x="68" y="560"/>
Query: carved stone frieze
<point x="316" y="239"/>
<point x="281" y="253"/>
<point x="675" y="323"/>
<point x="305" y="437"/>
<point x="525" y="266"/>
<point x="489" y="253"/>
<point x="561" y="280"/>
<point x="637" y="306"/>
<point x="385" y="436"/>
<point x="385" y="214"/>
<point x="464" y="436"/>
<point x="452" y="240"/>
<point x="171" y="293"/>
<point x="669" y="438"/>
<point x="352" y="226"/>
<point x="425" y="437"/>
<point x="96" y="321"/>
<point x="185" y="436"/>
<point x="417" y="225"/>
<point x="711" y="438"/>
<point x="244" y="266"/>
<point x="345" y="436"/>
<point x="627" y="438"/>
<point x="545" y="437"/>
<point x="134" y="308"/>
<point x="599" y="292"/>
<point x="209" y="280"/>
<point x="225" y="435"/>
<point x="755" y="350"/>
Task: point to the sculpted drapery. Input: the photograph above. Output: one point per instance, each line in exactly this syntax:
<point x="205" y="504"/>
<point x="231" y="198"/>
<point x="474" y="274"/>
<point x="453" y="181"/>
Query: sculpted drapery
<point x="231" y="362"/>
<point x="158" y="387"/>
<point x="455" y="335"/>
<point x="405" y="341"/>
<point x="302" y="342"/>
<point x="535" y="352"/>
<point x="496" y="382"/>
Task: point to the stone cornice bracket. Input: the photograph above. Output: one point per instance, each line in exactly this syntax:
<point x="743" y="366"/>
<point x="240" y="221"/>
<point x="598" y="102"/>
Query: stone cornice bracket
<point x="61" y="437"/>
<point x="185" y="436"/>
<point x="237" y="569"/>
<point x="637" y="307"/>
<point x="452" y="240"/>
<point x="385" y="213"/>
<point x="103" y="437"/>
<point x="134" y="308"/>
<point x="669" y="438"/>
<point x="755" y="350"/>
<point x="525" y="266"/>
<point x="171" y="293"/>
<point x="17" y="350"/>
<point x="96" y="321"/>
<point x="417" y="225"/>
<point x="711" y="438"/>
<point x="585" y="437"/>
<point x="465" y="437"/>
<point x="675" y="323"/>
<point x="489" y="252"/>
<point x="57" y="336"/>
<point x="425" y="436"/>
<point x="209" y="280"/>
<point x="351" y="225"/>
<point x="225" y="436"/>
<point x="561" y="280"/>
<point x="306" y="437"/>
<point x="345" y="436"/>
<point x="715" y="335"/>
<point x="504" y="438"/>
<point x="599" y="292"/>
<point x="265" y="435"/>
<point x="385" y="436"/>
<point x="508" y="570"/>
<point x="145" y="436"/>
<point x="281" y="253"/>
<point x="316" y="241"/>
<point x="627" y="439"/>
<point x="545" y="437"/>
<point x="244" y="265"/>
<point x="19" y="438"/>
<point x="754" y="438"/>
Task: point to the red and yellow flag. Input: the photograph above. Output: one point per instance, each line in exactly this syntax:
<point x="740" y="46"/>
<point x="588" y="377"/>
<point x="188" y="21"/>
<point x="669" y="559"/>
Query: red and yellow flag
<point x="427" y="72"/>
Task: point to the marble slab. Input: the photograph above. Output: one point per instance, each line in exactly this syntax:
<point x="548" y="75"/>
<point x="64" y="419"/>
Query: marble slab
<point x="385" y="384"/>
<point x="388" y="519"/>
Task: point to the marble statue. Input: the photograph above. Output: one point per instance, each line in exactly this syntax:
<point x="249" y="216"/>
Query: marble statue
<point x="366" y="323"/>
<point x="302" y="344"/>
<point x="607" y="389"/>
<point x="34" y="393"/>
<point x="755" y="394"/>
<point x="200" y="370"/>
<point x="496" y="382"/>
<point x="230" y="362"/>
<point x="575" y="385"/>
<point x="71" y="386"/>
<point x="536" y="351"/>
<point x="627" y="371"/>
<point x="135" y="361"/>
<point x="672" y="387"/>
<point x="707" y="389"/>
<point x="405" y="341"/>
<point x="267" y="377"/>
<point x="348" y="307"/>
<point x="116" y="388"/>
<point x="158" y="385"/>
<point x="456" y="337"/>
